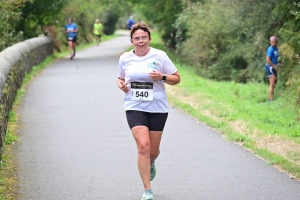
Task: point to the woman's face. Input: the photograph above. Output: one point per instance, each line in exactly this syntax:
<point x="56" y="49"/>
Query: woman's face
<point x="140" y="40"/>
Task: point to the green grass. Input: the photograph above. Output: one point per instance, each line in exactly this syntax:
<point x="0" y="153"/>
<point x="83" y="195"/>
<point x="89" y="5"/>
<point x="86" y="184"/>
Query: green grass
<point x="246" y="102"/>
<point x="8" y="166"/>
<point x="279" y="161"/>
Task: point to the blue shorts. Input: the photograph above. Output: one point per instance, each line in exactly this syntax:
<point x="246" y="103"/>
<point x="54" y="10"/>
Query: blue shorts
<point x="270" y="70"/>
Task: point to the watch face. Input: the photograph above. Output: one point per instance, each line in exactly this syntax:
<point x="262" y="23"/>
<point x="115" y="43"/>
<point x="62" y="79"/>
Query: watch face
<point x="164" y="77"/>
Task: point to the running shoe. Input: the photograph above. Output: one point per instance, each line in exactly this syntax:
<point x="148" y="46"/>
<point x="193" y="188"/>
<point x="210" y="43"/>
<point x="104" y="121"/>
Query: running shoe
<point x="152" y="172"/>
<point x="147" y="195"/>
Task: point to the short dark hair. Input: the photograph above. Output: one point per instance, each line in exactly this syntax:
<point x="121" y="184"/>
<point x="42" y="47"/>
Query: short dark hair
<point x="140" y="25"/>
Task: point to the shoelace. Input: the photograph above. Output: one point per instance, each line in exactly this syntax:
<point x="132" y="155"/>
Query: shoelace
<point x="148" y="192"/>
<point x="152" y="166"/>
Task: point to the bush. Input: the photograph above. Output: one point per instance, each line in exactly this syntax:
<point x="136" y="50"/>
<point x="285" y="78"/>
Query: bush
<point x="112" y="16"/>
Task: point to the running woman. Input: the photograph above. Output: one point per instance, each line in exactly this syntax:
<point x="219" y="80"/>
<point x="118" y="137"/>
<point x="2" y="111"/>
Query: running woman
<point x="71" y="30"/>
<point x="142" y="74"/>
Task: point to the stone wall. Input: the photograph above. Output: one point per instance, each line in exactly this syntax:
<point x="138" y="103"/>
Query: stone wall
<point x="15" y="62"/>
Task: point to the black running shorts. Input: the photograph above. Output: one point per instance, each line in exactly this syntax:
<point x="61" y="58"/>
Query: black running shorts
<point x="154" y="121"/>
<point x="73" y="39"/>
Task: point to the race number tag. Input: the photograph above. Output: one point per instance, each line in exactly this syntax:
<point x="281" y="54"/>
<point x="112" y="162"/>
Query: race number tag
<point x="142" y="91"/>
<point x="70" y="38"/>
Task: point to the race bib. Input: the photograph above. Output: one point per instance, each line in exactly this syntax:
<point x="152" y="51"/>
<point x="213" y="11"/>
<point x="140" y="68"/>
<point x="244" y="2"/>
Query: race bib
<point x="142" y="91"/>
<point x="70" y="38"/>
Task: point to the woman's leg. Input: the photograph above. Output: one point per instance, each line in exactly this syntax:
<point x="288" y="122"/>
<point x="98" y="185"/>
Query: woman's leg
<point x="142" y="138"/>
<point x="155" y="138"/>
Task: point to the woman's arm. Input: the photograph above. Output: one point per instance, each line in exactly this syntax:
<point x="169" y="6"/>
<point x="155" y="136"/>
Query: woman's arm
<point x="171" y="79"/>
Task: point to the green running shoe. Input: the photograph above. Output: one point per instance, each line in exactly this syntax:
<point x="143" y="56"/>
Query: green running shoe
<point x="152" y="172"/>
<point x="147" y="195"/>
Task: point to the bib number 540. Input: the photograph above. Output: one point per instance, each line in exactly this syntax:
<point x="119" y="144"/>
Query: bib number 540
<point x="141" y="94"/>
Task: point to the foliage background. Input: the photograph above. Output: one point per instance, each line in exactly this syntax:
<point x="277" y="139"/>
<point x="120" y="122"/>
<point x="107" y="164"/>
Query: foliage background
<point x="227" y="40"/>
<point x="224" y="40"/>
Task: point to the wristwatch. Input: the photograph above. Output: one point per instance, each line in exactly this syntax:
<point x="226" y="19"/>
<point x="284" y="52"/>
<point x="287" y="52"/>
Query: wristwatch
<point x="164" y="78"/>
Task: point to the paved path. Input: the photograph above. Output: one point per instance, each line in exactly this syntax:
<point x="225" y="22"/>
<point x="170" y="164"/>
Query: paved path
<point x="76" y="145"/>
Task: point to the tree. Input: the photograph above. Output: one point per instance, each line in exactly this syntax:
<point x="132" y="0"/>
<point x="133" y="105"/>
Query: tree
<point x="37" y="13"/>
<point x="163" y="14"/>
<point x="10" y="12"/>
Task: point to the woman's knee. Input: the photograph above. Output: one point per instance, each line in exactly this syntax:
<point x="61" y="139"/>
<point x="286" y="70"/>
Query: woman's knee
<point x="144" y="148"/>
<point x="154" y="152"/>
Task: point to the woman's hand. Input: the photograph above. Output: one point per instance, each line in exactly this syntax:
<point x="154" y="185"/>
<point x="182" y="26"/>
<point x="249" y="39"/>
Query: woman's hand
<point x="155" y="75"/>
<point x="122" y="85"/>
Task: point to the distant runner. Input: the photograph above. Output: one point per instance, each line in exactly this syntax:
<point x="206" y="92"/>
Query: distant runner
<point x="71" y="30"/>
<point x="130" y="22"/>
<point x="98" y="30"/>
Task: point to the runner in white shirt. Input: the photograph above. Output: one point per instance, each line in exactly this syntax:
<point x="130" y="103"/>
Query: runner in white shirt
<point x="142" y="74"/>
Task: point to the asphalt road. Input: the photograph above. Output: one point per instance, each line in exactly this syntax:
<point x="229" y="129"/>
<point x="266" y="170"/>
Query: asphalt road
<point x="76" y="145"/>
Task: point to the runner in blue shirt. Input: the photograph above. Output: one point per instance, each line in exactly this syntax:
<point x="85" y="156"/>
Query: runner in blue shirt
<point x="271" y="66"/>
<point x="71" y="30"/>
<point x="130" y="22"/>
